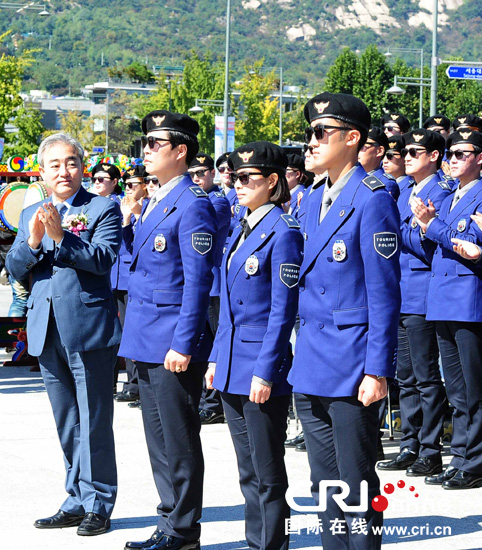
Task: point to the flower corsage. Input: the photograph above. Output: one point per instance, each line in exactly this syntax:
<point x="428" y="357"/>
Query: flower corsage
<point x="75" y="223"/>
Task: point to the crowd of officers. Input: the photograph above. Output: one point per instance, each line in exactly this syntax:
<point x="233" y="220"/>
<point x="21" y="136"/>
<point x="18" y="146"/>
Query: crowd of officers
<point x="370" y="246"/>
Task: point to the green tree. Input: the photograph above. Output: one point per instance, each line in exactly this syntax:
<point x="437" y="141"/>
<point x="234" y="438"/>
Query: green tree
<point x="258" y="117"/>
<point x="29" y="126"/>
<point x="342" y="76"/>
<point x="294" y="122"/>
<point x="138" y="72"/>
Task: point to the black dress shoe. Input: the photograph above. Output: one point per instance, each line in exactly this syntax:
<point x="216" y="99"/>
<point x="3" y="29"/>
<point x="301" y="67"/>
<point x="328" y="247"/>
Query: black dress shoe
<point x="169" y="542"/>
<point x="211" y="417"/>
<point x="401" y="462"/>
<point x="126" y="396"/>
<point x="447" y="474"/>
<point x="60" y="520"/>
<point x="145" y="543"/>
<point x="425" y="466"/>
<point x="135" y="404"/>
<point x="296" y="440"/>
<point x="301" y="447"/>
<point x="93" y="524"/>
<point x="463" y="480"/>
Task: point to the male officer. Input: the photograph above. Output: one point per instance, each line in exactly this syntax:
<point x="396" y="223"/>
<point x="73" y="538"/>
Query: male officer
<point x="467" y="122"/>
<point x="394" y="124"/>
<point x="422" y="395"/>
<point x="393" y="162"/>
<point x="171" y="277"/>
<point x="371" y="156"/>
<point x="438" y="123"/>
<point x="202" y="173"/>
<point x="295" y="176"/>
<point x="349" y="308"/>
<point x="454" y="305"/>
<point x="73" y="327"/>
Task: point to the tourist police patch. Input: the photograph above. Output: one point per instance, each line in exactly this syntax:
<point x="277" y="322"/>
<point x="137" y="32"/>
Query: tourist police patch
<point x="461" y="225"/>
<point x="160" y="243"/>
<point x="372" y="182"/>
<point x="290" y="221"/>
<point x="386" y="244"/>
<point x="289" y="274"/>
<point x="202" y="242"/>
<point x="198" y="191"/>
<point x="252" y="264"/>
<point x="339" y="250"/>
<point x="237" y="208"/>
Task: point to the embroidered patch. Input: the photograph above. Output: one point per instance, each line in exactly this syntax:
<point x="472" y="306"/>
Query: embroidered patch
<point x="461" y="225"/>
<point x="290" y="221"/>
<point x="372" y="182"/>
<point x="289" y="274"/>
<point x="414" y="223"/>
<point x="386" y="244"/>
<point x="198" y="191"/>
<point x="339" y="251"/>
<point x="202" y="242"/>
<point x="252" y="264"/>
<point x="160" y="243"/>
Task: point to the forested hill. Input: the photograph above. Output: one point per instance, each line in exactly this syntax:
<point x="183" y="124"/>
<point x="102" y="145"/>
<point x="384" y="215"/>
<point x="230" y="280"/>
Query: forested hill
<point x="81" y="39"/>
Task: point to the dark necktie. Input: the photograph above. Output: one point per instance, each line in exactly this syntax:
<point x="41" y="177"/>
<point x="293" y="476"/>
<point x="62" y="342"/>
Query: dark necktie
<point x="61" y="209"/>
<point x="245" y="226"/>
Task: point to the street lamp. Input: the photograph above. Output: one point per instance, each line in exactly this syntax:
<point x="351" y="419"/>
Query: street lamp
<point x="393" y="90"/>
<point x="19" y="8"/>
<point x="410" y="81"/>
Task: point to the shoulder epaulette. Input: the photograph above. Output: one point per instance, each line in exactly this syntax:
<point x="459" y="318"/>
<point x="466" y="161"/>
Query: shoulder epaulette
<point x="389" y="176"/>
<point x="372" y="182"/>
<point x="445" y="185"/>
<point x="219" y="194"/>
<point x="290" y="221"/>
<point x="198" y="191"/>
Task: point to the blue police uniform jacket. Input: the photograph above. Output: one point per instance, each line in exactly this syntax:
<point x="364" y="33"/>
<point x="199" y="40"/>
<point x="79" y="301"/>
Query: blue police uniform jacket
<point x="72" y="278"/>
<point x="259" y="298"/>
<point x="223" y="216"/>
<point x="414" y="265"/>
<point x="349" y="303"/>
<point x="234" y="205"/>
<point x="171" y="277"/>
<point x="389" y="181"/>
<point x="308" y="196"/>
<point x="455" y="289"/>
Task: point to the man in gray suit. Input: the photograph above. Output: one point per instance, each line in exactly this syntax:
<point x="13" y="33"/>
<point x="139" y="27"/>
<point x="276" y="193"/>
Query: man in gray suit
<point x="67" y="246"/>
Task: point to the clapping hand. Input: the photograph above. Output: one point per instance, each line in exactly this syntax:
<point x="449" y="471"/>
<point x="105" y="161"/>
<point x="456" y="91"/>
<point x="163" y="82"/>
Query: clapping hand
<point x="423" y="213"/>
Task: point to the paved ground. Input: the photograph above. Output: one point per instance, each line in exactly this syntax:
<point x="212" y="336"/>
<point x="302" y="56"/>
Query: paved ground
<point x="32" y="476"/>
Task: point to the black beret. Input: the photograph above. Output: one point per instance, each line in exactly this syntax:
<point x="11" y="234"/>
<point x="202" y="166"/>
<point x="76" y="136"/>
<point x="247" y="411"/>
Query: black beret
<point x="397" y="118"/>
<point x="437" y="120"/>
<point x="258" y="154"/>
<point x="137" y="171"/>
<point x="344" y="107"/>
<point x="202" y="159"/>
<point x="396" y="143"/>
<point x="377" y="135"/>
<point x="222" y="159"/>
<point x="432" y="141"/>
<point x="465" y="136"/>
<point x="296" y="161"/>
<point x="467" y="120"/>
<point x="164" y="120"/>
<point x="112" y="170"/>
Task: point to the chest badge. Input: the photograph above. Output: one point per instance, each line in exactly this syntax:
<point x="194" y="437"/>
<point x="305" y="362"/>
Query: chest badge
<point x="339" y="251"/>
<point x="414" y="223"/>
<point x="252" y="265"/>
<point x="461" y="225"/>
<point x="160" y="243"/>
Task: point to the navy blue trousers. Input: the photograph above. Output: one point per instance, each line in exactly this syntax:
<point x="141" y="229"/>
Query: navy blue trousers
<point x="341" y="440"/>
<point x="79" y="386"/>
<point x="461" y="351"/>
<point x="422" y="395"/>
<point x="172" y="426"/>
<point x="259" y="432"/>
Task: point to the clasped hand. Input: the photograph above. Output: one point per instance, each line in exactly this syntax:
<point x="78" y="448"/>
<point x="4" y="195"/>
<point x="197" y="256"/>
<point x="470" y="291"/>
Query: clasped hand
<point x="46" y="219"/>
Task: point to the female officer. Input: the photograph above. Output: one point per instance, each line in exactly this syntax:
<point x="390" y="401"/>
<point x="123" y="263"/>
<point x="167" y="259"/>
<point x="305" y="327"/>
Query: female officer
<point x="251" y="354"/>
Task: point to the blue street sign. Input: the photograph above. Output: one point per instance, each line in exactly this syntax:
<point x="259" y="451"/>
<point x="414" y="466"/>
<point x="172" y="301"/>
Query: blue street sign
<point x="465" y="73"/>
<point x="98" y="149"/>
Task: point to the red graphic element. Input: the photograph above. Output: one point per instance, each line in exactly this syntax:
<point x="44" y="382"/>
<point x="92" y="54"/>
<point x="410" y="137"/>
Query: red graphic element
<point x="416" y="495"/>
<point x="401" y="484"/>
<point x="411" y="488"/>
<point x="380" y="503"/>
<point x="389" y="488"/>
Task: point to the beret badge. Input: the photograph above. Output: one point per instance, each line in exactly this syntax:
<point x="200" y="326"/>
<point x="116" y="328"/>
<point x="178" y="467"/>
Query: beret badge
<point x="201" y="159"/>
<point x="392" y="144"/>
<point x="438" y="120"/>
<point x="158" y="120"/>
<point x="245" y="156"/>
<point x="394" y="117"/>
<point x="465" y="135"/>
<point x="417" y="137"/>
<point x="321" y="106"/>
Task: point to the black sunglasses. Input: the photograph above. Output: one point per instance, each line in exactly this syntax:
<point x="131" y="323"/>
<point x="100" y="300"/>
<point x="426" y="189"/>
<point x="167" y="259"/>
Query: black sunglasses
<point x="391" y="155"/>
<point x="414" y="153"/>
<point x="101" y="179"/>
<point x="151" y="141"/>
<point x="199" y="173"/>
<point x="243" y="178"/>
<point x="392" y="128"/>
<point x="223" y="169"/>
<point x="153" y="180"/>
<point x="459" y="155"/>
<point x="319" y="131"/>
<point x="132" y="184"/>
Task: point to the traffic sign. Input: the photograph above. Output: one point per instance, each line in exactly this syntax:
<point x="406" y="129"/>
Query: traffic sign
<point x="465" y="73"/>
<point x="98" y="149"/>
